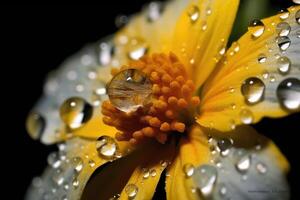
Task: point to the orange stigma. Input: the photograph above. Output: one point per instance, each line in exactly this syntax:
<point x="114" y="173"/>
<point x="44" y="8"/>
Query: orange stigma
<point x="171" y="107"/>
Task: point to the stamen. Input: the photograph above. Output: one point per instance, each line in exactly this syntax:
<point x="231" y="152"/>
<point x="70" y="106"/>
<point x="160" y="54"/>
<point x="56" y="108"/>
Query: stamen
<point x="171" y="108"/>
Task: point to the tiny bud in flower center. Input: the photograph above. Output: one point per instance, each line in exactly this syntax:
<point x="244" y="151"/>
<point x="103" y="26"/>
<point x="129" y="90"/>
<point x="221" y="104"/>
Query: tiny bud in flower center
<point x="150" y="98"/>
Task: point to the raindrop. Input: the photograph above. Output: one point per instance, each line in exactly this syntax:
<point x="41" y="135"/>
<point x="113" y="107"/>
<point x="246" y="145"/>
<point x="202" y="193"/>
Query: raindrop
<point x="284" y="14"/>
<point x="261" y="168"/>
<point x="129" y="90"/>
<point x="155" y="10"/>
<point x="106" y="147"/>
<point x="246" y="116"/>
<point x="256" y="28"/>
<point x="297" y="16"/>
<point x="77" y="162"/>
<point x="284" y="65"/>
<point x="193" y="13"/>
<point x="153" y="172"/>
<point x="253" y="90"/>
<point x="54" y="160"/>
<point x="206" y="177"/>
<point x="283" y="42"/>
<point x="131" y="190"/>
<point x="188" y="169"/>
<point x="35" y="125"/>
<point x="262" y="58"/>
<point x="288" y="94"/>
<point x="224" y="146"/>
<point x="146" y="173"/>
<point x="283" y="29"/>
<point x="243" y="163"/>
<point x="75" y="112"/>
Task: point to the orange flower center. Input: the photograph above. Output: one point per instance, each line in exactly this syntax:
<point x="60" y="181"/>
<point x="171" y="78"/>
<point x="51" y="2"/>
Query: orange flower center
<point x="171" y="107"/>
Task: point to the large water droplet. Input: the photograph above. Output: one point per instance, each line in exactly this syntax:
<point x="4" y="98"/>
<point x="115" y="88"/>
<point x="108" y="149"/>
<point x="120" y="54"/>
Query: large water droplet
<point x="243" y="163"/>
<point x="75" y="112"/>
<point x="283" y="29"/>
<point x="246" y="116"/>
<point x="288" y="94"/>
<point x="205" y="178"/>
<point x="106" y="147"/>
<point x="253" y="90"/>
<point x="283" y="42"/>
<point x="129" y="90"/>
<point x="256" y="28"/>
<point x="131" y="190"/>
<point x="154" y="11"/>
<point x="193" y="13"/>
<point x="284" y="64"/>
<point x="54" y="160"/>
<point x="35" y="125"/>
<point x="188" y="169"/>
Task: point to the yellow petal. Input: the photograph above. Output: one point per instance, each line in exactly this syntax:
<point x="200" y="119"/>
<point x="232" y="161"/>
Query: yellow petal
<point x="219" y="171"/>
<point x="146" y="175"/>
<point x="201" y="35"/>
<point x="258" y="77"/>
<point x="193" y="151"/>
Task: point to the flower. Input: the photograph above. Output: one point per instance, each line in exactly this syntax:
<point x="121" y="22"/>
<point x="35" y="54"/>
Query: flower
<point x="177" y="102"/>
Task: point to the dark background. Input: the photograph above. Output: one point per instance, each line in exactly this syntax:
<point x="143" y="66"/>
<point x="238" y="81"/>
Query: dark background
<point x="36" y="39"/>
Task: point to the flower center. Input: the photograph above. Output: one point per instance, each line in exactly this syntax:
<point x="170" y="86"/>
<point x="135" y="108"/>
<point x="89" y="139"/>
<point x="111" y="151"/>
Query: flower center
<point x="150" y="98"/>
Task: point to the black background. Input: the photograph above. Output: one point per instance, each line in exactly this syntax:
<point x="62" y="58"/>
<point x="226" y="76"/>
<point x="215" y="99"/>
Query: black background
<point x="36" y="39"/>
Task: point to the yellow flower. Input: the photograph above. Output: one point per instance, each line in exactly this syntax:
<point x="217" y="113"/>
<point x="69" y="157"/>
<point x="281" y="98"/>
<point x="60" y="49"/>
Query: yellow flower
<point x="178" y="105"/>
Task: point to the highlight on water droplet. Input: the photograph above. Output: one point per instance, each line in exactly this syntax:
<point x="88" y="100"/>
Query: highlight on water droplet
<point x="129" y="90"/>
<point x="75" y="112"/>
<point x="253" y="90"/>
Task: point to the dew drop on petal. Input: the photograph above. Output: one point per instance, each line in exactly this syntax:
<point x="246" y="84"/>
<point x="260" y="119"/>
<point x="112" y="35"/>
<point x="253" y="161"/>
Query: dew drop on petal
<point x="75" y="112"/>
<point x="256" y="28"/>
<point x="188" y="169"/>
<point x="243" y="164"/>
<point x="284" y="14"/>
<point x="92" y="163"/>
<point x="75" y="183"/>
<point x="54" y="160"/>
<point x="246" y="116"/>
<point x="193" y="13"/>
<point x="146" y="173"/>
<point x="77" y="163"/>
<point x="284" y="64"/>
<point x="262" y="58"/>
<point x="131" y="190"/>
<point x="288" y="94"/>
<point x="283" y="42"/>
<point x="283" y="29"/>
<point x="261" y="168"/>
<point x="106" y="147"/>
<point x="35" y="125"/>
<point x="224" y="146"/>
<point x="236" y="47"/>
<point x="207" y="179"/>
<point x="129" y="90"/>
<point x="137" y="51"/>
<point x="153" y="172"/>
<point x="253" y="90"/>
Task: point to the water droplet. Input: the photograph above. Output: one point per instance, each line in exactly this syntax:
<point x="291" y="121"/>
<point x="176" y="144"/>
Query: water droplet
<point x="204" y="26"/>
<point x="253" y="90"/>
<point x="75" y="112"/>
<point x="54" y="160"/>
<point x="261" y="168"/>
<point x="236" y="47"/>
<point x="188" y="169"/>
<point x="256" y="28"/>
<point x="106" y="147"/>
<point x="246" y="116"/>
<point x="155" y="10"/>
<point x="208" y="11"/>
<point x="283" y="29"/>
<point x="283" y="42"/>
<point x="262" y="58"/>
<point x="146" y="173"/>
<point x="58" y="178"/>
<point x="288" y="94"/>
<point x="129" y="90"/>
<point x="297" y="16"/>
<point x="224" y="146"/>
<point x="75" y="183"/>
<point x="284" y="64"/>
<point x="131" y="190"/>
<point x="243" y="163"/>
<point x="193" y="13"/>
<point x="35" y="125"/>
<point x="163" y="163"/>
<point x="222" y="50"/>
<point x="77" y="163"/>
<point x="137" y="51"/>
<point x="205" y="178"/>
<point x="284" y="14"/>
<point x="92" y="163"/>
<point x="153" y="172"/>
<point x="105" y="53"/>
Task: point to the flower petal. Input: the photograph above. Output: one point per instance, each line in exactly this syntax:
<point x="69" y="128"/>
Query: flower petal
<point x="69" y="170"/>
<point x="259" y="76"/>
<point x="201" y="35"/>
<point x="239" y="165"/>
